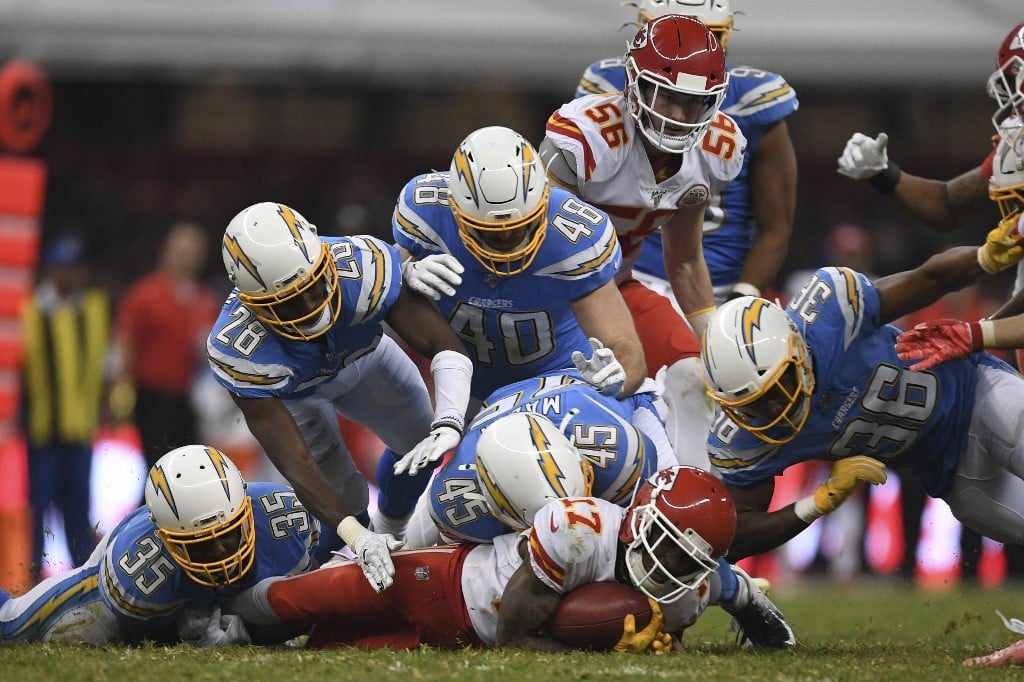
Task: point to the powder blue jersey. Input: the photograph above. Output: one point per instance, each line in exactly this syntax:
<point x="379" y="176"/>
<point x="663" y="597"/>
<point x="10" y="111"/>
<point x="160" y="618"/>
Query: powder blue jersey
<point x="865" y="400"/>
<point x="253" y="362"/>
<point x="522" y="325"/>
<point x="598" y="425"/>
<point x="756" y="100"/>
<point x="139" y="581"/>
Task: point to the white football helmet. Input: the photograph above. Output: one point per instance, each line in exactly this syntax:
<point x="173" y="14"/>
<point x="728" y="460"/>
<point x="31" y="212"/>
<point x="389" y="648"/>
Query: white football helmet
<point x="681" y="520"/>
<point x="499" y="195"/>
<point x="757" y="368"/>
<point x="715" y="14"/>
<point x="675" y="64"/>
<point x="522" y="462"/>
<point x="196" y="496"/>
<point x="1006" y="186"/>
<point x="285" y="275"/>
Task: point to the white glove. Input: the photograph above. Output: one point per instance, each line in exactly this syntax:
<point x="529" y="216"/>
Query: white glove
<point x="864" y="157"/>
<point x="601" y="369"/>
<point x="442" y="438"/>
<point x="207" y="628"/>
<point x="373" y="553"/>
<point x="433" y="276"/>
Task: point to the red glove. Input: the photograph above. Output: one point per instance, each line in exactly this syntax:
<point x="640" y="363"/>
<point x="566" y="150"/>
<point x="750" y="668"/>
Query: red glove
<point x="938" y="341"/>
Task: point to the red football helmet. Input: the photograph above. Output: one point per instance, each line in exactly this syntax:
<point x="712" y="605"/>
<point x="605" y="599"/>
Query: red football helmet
<point x="681" y="520"/>
<point x="672" y="63"/>
<point x="1006" y="84"/>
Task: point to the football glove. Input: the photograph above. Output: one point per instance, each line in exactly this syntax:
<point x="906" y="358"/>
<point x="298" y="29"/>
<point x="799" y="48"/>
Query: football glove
<point x="208" y="628"/>
<point x="442" y="439"/>
<point x="1003" y="247"/>
<point x="932" y="343"/>
<point x="846" y="474"/>
<point x="651" y="638"/>
<point x="434" y="276"/>
<point x="601" y="370"/>
<point x="373" y="553"/>
<point x="864" y="157"/>
<point x="372" y="550"/>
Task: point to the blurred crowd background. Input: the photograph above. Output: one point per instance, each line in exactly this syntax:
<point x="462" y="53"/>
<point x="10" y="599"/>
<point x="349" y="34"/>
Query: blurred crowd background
<point x="184" y="111"/>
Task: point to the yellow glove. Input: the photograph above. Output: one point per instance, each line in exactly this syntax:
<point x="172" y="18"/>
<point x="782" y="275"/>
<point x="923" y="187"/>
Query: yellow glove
<point x="651" y="638"/>
<point x="1003" y="246"/>
<point x="846" y="474"/>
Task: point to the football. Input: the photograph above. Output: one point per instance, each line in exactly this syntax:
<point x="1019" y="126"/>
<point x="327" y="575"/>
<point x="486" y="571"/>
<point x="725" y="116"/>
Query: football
<point x="590" y="617"/>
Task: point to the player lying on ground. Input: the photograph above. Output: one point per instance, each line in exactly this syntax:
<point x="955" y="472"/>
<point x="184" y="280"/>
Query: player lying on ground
<point x="666" y="545"/>
<point x="167" y="569"/>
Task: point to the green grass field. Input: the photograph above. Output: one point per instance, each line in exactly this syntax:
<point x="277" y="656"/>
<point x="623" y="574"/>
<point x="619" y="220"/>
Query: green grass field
<point x="871" y="632"/>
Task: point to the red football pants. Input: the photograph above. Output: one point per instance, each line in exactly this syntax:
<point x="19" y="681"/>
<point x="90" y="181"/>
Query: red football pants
<point x="423" y="606"/>
<point x="665" y="336"/>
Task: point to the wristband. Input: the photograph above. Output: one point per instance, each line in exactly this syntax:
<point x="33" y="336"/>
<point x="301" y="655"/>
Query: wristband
<point x="453" y="373"/>
<point x="985" y="261"/>
<point x="986" y="337"/>
<point x="351" y="531"/>
<point x="886" y="181"/>
<point x="744" y="289"/>
<point x="447" y="422"/>
<point x="806" y="510"/>
<point x="699" y="319"/>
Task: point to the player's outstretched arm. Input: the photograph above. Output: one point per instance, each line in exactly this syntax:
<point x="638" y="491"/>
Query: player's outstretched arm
<point x="275" y="429"/>
<point x="417" y="321"/>
<point x="904" y="292"/>
<point x="943" y="205"/>
<point x="758" y="530"/>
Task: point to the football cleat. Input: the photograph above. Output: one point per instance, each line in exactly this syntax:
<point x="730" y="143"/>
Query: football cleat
<point x="757" y="621"/>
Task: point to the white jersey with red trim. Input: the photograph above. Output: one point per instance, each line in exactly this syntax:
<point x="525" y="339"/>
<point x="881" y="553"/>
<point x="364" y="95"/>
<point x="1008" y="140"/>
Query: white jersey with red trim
<point x="614" y="173"/>
<point x="573" y="541"/>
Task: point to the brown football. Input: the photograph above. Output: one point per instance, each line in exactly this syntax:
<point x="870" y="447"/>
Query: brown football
<point x="590" y="617"/>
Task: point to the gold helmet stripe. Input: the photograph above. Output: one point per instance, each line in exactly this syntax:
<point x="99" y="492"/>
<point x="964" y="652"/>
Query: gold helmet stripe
<point x="528" y="161"/>
<point x="220" y="466"/>
<point x="461" y="164"/>
<point x="751" y="319"/>
<point x="293" y="227"/>
<point x="234" y="249"/>
<point x="159" y="481"/>
<point x="554" y="475"/>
